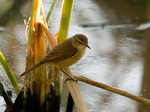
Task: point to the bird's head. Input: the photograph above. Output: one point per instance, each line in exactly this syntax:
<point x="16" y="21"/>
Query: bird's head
<point x="80" y="41"/>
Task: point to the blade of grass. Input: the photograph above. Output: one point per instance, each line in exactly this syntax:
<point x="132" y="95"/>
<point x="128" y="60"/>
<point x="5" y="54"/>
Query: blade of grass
<point x="49" y="16"/>
<point x="9" y="73"/>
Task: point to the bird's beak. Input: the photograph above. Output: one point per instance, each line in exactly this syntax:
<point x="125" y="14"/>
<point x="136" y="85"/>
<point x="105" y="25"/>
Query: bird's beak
<point x="88" y="46"/>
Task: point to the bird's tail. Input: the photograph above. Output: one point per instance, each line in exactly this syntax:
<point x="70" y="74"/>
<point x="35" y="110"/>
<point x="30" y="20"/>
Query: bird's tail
<point x="32" y="68"/>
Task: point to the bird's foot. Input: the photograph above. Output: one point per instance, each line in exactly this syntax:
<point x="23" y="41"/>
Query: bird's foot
<point x="71" y="78"/>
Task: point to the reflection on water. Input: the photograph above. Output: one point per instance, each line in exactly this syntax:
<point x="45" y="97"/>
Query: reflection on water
<point x="118" y="32"/>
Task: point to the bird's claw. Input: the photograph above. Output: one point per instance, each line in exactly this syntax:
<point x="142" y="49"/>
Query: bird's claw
<point x="71" y="78"/>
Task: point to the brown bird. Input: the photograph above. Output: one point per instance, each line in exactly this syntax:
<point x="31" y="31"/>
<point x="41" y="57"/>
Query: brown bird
<point x="64" y="54"/>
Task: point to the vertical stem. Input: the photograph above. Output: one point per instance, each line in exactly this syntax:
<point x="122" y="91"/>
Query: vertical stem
<point x="9" y="73"/>
<point x="49" y="16"/>
<point x="35" y="52"/>
<point x="28" y="56"/>
<point x="31" y="25"/>
<point x="67" y="7"/>
<point x="39" y="52"/>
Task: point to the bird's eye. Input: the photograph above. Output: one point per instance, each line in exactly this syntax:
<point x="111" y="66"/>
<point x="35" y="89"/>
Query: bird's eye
<point x="80" y="42"/>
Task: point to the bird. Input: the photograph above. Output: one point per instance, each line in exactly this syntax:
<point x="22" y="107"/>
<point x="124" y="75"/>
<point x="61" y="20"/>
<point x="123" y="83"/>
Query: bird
<point x="64" y="54"/>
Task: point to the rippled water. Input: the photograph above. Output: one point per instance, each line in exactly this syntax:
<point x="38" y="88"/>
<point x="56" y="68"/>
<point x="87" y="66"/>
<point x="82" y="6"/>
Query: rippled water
<point x="118" y="33"/>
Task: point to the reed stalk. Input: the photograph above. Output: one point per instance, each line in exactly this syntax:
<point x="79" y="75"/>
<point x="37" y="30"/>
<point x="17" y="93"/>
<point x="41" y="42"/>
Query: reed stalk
<point x="9" y="73"/>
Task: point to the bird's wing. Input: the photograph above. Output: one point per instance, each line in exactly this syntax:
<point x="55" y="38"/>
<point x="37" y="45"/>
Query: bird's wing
<point x="64" y="53"/>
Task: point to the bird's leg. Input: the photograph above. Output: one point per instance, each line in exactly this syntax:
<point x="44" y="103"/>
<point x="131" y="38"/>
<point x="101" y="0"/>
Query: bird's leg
<point x="71" y="78"/>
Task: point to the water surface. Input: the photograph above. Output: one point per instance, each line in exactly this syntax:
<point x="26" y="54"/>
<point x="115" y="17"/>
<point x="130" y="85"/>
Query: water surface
<point x="118" y="33"/>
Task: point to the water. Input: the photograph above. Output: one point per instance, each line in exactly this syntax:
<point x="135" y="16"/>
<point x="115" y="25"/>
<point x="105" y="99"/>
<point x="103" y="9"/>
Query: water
<point x="118" y="33"/>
